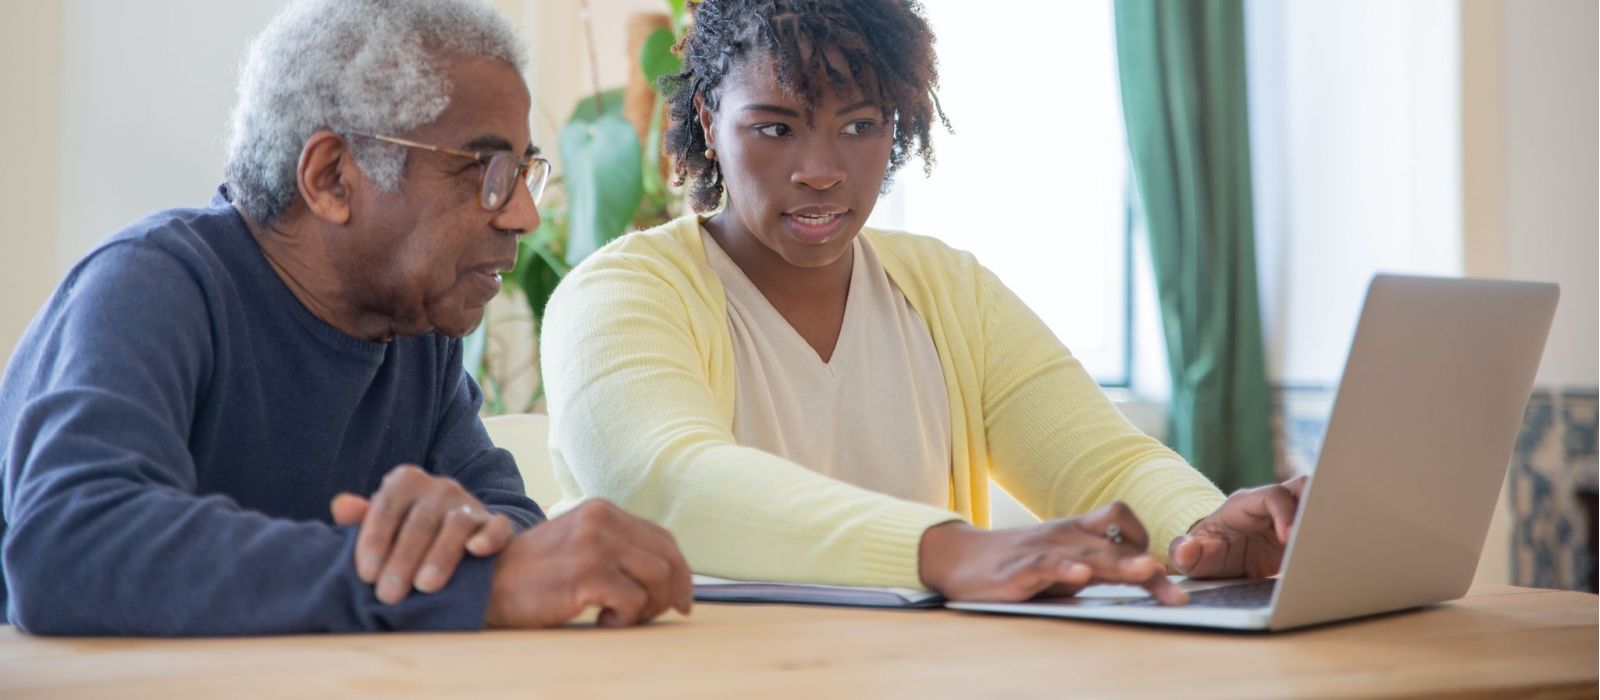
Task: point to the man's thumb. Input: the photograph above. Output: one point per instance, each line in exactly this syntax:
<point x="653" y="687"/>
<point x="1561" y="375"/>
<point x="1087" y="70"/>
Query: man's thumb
<point x="348" y="509"/>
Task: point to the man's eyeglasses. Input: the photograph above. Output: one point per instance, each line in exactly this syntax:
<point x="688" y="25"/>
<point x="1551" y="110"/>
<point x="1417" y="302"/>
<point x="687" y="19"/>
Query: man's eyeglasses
<point x="501" y="170"/>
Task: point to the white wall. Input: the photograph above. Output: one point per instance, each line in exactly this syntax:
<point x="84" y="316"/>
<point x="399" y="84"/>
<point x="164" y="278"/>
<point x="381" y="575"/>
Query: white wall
<point x="560" y="72"/>
<point x="1529" y="152"/>
<point x="116" y="109"/>
<point x="1356" y="157"/>
<point x="1426" y="136"/>
<point x="146" y="89"/>
<point x="29" y="62"/>
<point x="1551" y="221"/>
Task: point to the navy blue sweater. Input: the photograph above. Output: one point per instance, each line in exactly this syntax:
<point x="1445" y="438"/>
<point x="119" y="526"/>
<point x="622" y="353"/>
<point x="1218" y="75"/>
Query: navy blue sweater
<point x="174" y="424"/>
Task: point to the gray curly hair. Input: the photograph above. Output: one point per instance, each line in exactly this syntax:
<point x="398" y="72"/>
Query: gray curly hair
<point x="365" y="66"/>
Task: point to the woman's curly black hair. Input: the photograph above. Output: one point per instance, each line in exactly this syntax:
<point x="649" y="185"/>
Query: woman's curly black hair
<point x="886" y="45"/>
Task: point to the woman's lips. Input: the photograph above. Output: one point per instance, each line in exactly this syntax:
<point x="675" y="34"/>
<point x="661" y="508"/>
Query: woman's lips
<point x="814" y="228"/>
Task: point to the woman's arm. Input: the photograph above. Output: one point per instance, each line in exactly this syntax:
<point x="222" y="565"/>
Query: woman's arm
<point x="634" y="419"/>
<point x="1057" y="443"/>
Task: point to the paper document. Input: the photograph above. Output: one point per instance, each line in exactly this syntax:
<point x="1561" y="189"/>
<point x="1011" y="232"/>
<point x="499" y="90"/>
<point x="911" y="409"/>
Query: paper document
<point x="721" y="590"/>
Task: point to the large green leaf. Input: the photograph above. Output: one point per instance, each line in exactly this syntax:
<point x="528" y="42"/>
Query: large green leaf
<point x="539" y="266"/>
<point x="656" y="57"/>
<point x="586" y="109"/>
<point x="602" y="159"/>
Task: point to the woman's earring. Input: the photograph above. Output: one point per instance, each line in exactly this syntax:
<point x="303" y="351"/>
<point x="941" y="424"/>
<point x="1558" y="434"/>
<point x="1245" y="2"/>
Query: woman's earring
<point x="711" y="154"/>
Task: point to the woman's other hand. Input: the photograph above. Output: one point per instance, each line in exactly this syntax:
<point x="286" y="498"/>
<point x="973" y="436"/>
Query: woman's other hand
<point x="1056" y="558"/>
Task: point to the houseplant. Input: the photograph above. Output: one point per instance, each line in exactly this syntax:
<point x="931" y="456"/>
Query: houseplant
<point x="612" y="180"/>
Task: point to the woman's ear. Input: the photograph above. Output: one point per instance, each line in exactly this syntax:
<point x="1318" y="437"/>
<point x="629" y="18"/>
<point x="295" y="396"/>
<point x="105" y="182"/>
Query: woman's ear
<point x="325" y="172"/>
<point x="705" y="120"/>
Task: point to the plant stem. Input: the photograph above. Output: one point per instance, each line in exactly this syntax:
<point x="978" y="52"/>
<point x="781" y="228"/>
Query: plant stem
<point x="594" y="59"/>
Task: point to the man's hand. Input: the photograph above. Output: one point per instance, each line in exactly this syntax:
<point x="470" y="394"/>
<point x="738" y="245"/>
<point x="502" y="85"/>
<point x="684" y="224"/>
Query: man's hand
<point x="1244" y="538"/>
<point x="597" y="555"/>
<point x="415" y="530"/>
<point x="1057" y="558"/>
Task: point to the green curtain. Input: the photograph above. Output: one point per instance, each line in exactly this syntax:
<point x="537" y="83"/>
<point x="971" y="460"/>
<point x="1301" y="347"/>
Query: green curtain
<point x="1182" y="70"/>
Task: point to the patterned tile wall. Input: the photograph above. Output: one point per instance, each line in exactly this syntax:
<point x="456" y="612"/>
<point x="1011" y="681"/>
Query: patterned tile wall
<point x="1553" y="466"/>
<point x="1552" y="472"/>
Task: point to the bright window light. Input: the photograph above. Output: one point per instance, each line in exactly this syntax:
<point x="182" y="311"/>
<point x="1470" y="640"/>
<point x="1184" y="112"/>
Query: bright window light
<point x="1033" y="180"/>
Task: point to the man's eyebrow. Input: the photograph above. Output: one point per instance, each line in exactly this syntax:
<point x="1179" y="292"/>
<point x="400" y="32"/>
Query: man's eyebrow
<point x="488" y="143"/>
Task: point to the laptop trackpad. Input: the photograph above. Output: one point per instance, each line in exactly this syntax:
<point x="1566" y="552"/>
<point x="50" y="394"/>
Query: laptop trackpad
<point x="1205" y="594"/>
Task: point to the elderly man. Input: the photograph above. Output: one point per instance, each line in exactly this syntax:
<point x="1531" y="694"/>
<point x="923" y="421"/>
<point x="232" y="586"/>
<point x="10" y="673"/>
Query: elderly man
<point x="203" y="385"/>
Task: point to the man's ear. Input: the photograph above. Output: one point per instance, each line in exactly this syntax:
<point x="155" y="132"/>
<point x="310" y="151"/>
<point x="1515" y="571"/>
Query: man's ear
<point x="705" y="119"/>
<point x="326" y="173"/>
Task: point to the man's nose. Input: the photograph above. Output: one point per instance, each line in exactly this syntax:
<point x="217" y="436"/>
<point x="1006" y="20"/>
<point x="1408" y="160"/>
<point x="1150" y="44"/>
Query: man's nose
<point x="521" y="214"/>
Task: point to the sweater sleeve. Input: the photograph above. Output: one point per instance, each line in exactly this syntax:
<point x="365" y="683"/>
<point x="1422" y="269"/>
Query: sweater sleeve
<point x="634" y="420"/>
<point x="1057" y="443"/>
<point x="107" y="533"/>
<point x="461" y="450"/>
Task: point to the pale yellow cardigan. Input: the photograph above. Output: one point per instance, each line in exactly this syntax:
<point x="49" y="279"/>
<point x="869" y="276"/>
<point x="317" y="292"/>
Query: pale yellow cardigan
<point x="639" y="375"/>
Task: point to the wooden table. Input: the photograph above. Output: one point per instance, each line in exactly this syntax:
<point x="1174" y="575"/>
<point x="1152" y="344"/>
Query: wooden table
<point x="1499" y="641"/>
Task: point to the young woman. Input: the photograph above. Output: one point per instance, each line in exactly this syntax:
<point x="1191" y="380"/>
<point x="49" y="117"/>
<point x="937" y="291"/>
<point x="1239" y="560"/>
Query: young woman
<point x="797" y="397"/>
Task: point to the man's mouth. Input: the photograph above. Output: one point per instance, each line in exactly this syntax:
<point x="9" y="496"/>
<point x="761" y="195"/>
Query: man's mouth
<point x="488" y="274"/>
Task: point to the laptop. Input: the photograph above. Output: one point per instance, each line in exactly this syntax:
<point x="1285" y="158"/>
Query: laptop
<point x="1411" y="466"/>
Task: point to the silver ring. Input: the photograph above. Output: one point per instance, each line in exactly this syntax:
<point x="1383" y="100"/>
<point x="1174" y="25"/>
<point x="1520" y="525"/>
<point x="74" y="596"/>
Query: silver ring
<point x="469" y="511"/>
<point x="1114" y="533"/>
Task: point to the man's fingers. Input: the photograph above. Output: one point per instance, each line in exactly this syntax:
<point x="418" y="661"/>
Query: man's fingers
<point x="618" y="596"/>
<point x="390" y="505"/>
<point x="439" y="564"/>
<point x="348" y="509"/>
<point x="417" y="533"/>
<point x="662" y="543"/>
<point x="654" y="576"/>
<point x="492" y="537"/>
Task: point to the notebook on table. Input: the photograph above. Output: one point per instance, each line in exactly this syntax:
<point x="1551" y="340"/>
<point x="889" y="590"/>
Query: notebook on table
<point x="721" y="590"/>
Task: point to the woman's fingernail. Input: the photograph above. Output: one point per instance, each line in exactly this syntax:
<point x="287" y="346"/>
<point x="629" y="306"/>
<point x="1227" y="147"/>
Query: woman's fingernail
<point x="369" y="567"/>
<point x="477" y="544"/>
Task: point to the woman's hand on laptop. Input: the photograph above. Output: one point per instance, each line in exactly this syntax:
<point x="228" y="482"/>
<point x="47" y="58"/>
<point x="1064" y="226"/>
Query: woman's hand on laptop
<point x="1056" y="558"/>
<point x="416" y="529"/>
<point x="1246" y="537"/>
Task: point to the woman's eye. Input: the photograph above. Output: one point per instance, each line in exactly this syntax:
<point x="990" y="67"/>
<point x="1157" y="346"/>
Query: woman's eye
<point x="773" y="130"/>
<point x="862" y="127"/>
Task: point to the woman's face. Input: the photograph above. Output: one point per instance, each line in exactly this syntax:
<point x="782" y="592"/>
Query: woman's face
<point x="803" y="190"/>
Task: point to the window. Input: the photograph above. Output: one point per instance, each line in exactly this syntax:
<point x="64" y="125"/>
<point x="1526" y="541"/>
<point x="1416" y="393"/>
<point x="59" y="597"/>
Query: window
<point x="1034" y="179"/>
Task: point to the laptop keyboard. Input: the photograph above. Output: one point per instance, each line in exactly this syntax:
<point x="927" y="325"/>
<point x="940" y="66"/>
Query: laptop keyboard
<point x="1255" y="594"/>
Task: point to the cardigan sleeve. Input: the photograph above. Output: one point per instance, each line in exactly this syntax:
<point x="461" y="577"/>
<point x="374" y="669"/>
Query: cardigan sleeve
<point x="1058" y="445"/>
<point x="634" y="419"/>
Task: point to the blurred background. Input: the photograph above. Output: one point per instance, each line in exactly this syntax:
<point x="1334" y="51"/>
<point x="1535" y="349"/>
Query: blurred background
<point x="1439" y="137"/>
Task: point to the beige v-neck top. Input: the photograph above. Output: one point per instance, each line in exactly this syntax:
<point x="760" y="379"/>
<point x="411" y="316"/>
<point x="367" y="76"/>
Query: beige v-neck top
<point x="875" y="415"/>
